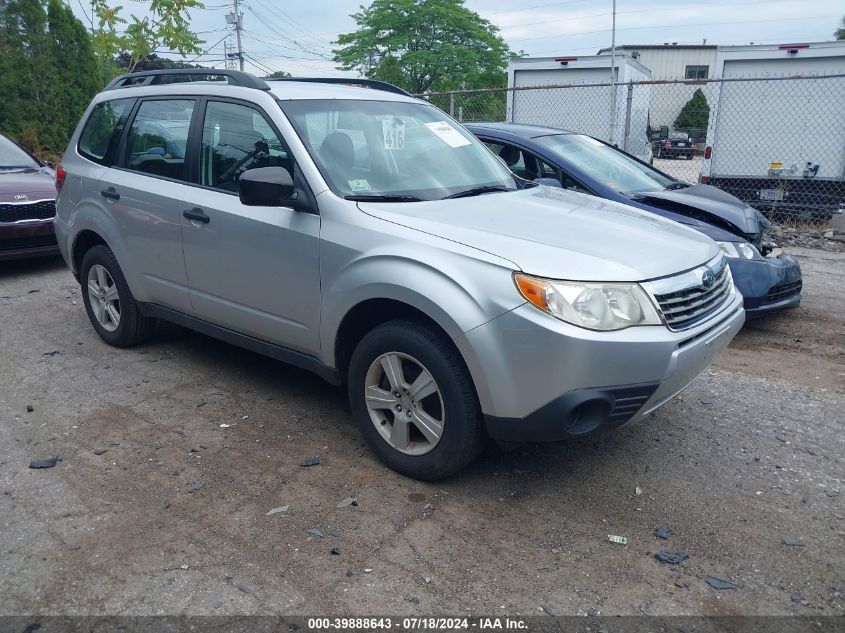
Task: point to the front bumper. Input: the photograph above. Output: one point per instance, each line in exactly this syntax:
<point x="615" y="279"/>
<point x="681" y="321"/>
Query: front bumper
<point x="773" y="283"/>
<point x="540" y="379"/>
<point x="30" y="238"/>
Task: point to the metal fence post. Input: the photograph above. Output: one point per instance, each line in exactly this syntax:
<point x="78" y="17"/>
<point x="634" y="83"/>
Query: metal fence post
<point x="452" y="104"/>
<point x="628" y="103"/>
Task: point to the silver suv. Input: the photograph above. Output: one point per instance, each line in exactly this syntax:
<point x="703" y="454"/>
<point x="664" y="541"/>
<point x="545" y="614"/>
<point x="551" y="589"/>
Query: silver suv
<point x="362" y="234"/>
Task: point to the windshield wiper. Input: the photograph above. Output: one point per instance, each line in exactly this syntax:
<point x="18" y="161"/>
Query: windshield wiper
<point x="382" y="197"/>
<point x="677" y="185"/>
<point x="476" y="191"/>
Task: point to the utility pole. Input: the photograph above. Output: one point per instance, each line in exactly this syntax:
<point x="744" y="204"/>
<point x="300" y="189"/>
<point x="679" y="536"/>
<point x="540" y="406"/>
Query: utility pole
<point x="237" y="20"/>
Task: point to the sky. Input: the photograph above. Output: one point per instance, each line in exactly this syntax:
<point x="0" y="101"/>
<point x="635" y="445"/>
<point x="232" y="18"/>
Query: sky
<point x="297" y="37"/>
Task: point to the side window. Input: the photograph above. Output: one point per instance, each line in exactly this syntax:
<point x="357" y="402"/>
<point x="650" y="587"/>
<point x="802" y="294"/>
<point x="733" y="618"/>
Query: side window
<point x="102" y="130"/>
<point x="571" y="184"/>
<point x="158" y="137"/>
<point x="236" y="138"/>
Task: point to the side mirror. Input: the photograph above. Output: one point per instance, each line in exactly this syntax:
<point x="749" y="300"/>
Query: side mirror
<point x="267" y="187"/>
<point x="549" y="182"/>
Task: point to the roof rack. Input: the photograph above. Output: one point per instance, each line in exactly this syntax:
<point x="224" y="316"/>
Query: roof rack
<point x="348" y="81"/>
<point x="155" y="77"/>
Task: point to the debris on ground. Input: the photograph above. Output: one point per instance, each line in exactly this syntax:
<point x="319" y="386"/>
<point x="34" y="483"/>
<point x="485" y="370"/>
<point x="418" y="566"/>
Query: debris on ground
<point x="277" y="510"/>
<point x="335" y="551"/>
<point x="617" y="539"/>
<point x="592" y="611"/>
<point x="225" y="426"/>
<point x="349" y="501"/>
<point x="718" y="583"/>
<point x="546" y="609"/>
<point x="663" y="531"/>
<point x="100" y="451"/>
<point x="638" y="491"/>
<point x="321" y="534"/>
<point x="368" y="570"/>
<point x="375" y="548"/>
<point x="29" y="408"/>
<point x="226" y="479"/>
<point x="795" y="542"/>
<point x="672" y="556"/>
<point x="311" y="461"/>
<point x="199" y="485"/>
<point x="682" y="584"/>
<point x="45" y="463"/>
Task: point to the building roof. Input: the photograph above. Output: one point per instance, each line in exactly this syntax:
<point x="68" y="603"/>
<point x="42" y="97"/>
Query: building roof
<point x="665" y="45"/>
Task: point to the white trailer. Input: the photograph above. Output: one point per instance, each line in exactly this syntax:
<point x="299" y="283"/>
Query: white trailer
<point x="575" y="93"/>
<point x="779" y="144"/>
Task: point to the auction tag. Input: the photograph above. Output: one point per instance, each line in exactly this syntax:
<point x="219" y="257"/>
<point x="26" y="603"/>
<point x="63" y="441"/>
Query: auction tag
<point x="359" y="184"/>
<point x="394" y="133"/>
<point x="447" y="134"/>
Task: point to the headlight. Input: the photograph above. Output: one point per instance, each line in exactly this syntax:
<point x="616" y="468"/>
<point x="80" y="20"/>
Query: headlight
<point x="740" y="250"/>
<point x="595" y="306"/>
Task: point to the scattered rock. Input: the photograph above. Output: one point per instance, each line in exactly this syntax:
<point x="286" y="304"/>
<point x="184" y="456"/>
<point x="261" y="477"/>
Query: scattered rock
<point x="311" y="461"/>
<point x="225" y="426"/>
<point x="278" y="510"/>
<point x="226" y="479"/>
<point x="718" y="583"/>
<point x="426" y="507"/>
<point x="45" y="463"/>
<point x="29" y="408"/>
<point x="349" y="501"/>
<point x="638" y="491"/>
<point x="545" y="608"/>
<point x="672" y="556"/>
<point x="414" y="600"/>
<point x="335" y="551"/>
<point x="368" y="570"/>
<point x="317" y="532"/>
<point x="199" y="485"/>
<point x="100" y="451"/>
<point x="53" y="353"/>
<point x="592" y="611"/>
<point x="682" y="584"/>
<point x="795" y="542"/>
<point x="349" y="573"/>
<point x="796" y="598"/>
<point x="663" y="531"/>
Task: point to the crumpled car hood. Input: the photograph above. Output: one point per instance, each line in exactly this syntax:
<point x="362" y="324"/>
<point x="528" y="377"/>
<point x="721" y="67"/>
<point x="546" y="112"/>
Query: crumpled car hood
<point x="721" y="207"/>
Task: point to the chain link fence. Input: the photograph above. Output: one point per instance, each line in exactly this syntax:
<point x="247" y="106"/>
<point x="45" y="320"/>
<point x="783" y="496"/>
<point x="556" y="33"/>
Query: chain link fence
<point x="777" y="143"/>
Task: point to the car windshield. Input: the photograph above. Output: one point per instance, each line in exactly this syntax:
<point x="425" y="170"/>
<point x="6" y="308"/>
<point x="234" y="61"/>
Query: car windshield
<point x="394" y="151"/>
<point x="13" y="157"/>
<point x="608" y="165"/>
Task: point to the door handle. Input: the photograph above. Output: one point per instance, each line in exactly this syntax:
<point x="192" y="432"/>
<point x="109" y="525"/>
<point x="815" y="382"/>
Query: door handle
<point x="197" y="215"/>
<point x="110" y="194"/>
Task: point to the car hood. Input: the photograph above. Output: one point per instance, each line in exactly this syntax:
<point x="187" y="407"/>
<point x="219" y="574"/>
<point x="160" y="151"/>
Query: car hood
<point x="710" y="204"/>
<point x="559" y="234"/>
<point x="35" y="184"/>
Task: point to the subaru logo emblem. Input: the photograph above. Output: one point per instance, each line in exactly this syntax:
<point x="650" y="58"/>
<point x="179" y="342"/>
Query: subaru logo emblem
<point x="21" y="196"/>
<point x="707" y="278"/>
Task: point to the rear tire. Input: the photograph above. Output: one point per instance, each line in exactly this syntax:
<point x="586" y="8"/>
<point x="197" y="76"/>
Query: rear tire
<point x="414" y="400"/>
<point x="112" y="309"/>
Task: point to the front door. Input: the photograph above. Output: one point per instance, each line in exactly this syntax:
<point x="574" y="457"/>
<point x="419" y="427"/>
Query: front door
<point x="254" y="270"/>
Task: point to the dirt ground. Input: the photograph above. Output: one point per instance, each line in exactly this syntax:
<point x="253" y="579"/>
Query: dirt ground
<point x="750" y="455"/>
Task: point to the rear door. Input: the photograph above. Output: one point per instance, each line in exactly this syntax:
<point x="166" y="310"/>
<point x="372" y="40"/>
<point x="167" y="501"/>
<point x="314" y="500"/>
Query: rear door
<point x="144" y="191"/>
<point x="251" y="269"/>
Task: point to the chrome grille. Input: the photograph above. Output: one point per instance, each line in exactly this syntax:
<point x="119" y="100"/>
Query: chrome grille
<point x="693" y="303"/>
<point x="39" y="210"/>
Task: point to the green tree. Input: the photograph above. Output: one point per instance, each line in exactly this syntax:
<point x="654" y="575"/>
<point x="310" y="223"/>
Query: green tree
<point x="840" y="32"/>
<point x="167" y="26"/>
<point x="48" y="73"/>
<point x="695" y="113"/>
<point x="279" y="74"/>
<point x="424" y="45"/>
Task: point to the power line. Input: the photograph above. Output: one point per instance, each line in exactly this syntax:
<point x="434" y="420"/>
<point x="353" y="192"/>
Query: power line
<point x="674" y="26"/>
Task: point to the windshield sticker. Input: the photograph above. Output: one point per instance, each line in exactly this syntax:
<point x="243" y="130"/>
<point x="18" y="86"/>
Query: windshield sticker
<point x="447" y="134"/>
<point x="359" y="184"/>
<point x="394" y="133"/>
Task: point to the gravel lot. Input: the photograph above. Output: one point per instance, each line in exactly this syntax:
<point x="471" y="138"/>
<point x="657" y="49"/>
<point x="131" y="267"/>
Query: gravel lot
<point x="680" y="168"/>
<point x="750" y="455"/>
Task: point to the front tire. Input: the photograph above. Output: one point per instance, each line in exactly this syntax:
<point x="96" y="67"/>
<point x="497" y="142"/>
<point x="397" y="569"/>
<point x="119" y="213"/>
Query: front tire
<point x="112" y="309"/>
<point x="414" y="400"/>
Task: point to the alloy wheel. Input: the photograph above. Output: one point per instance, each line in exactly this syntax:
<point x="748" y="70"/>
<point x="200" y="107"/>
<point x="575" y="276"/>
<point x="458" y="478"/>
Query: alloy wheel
<point x="404" y="403"/>
<point x="105" y="302"/>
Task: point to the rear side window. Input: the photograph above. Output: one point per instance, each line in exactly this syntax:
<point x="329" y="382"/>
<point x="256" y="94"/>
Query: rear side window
<point x="102" y="130"/>
<point x="158" y="137"/>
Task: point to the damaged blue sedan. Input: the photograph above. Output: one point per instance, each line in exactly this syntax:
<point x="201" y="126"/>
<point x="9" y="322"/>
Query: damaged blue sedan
<point x="580" y="163"/>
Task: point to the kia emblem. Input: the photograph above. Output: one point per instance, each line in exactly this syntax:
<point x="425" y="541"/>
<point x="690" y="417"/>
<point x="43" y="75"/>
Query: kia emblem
<point x="21" y="196"/>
